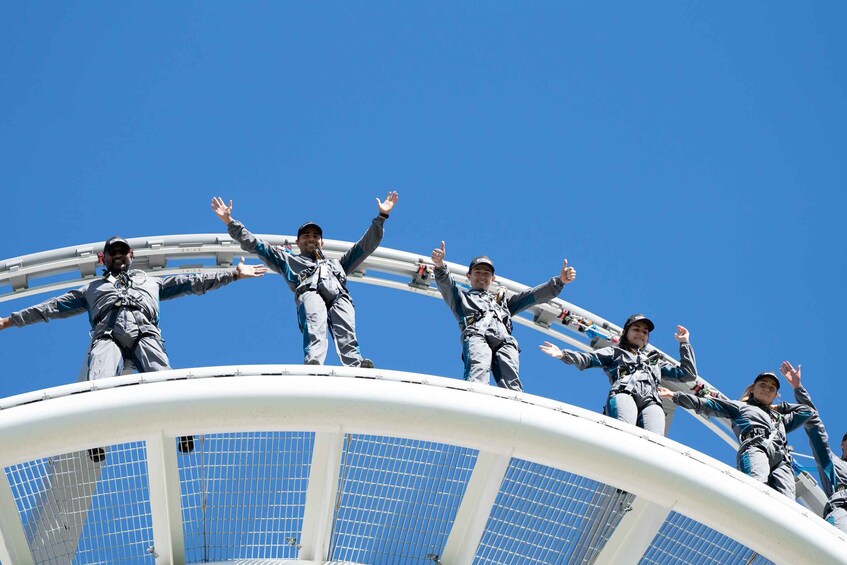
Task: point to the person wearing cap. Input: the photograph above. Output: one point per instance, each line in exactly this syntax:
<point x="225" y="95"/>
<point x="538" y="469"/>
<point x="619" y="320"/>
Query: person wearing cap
<point x="633" y="372"/>
<point x="761" y="427"/>
<point x="319" y="284"/>
<point x="831" y="468"/>
<point x="123" y="309"/>
<point x="485" y="318"/>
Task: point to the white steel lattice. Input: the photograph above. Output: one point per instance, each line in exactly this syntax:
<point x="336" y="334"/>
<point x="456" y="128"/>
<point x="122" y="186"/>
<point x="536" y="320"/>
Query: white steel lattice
<point x="397" y="498"/>
<point x="243" y="495"/>
<point x="546" y="515"/>
<point x="92" y="505"/>
<point x="683" y="540"/>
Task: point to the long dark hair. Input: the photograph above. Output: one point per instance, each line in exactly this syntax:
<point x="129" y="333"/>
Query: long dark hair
<point x="624" y="343"/>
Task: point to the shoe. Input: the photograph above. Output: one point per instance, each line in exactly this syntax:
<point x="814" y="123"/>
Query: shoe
<point x="186" y="444"/>
<point x="97" y="454"/>
<point x="366" y="364"/>
<point x="313" y="362"/>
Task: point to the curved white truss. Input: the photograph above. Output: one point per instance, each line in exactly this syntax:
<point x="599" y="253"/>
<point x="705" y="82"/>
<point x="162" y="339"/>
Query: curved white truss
<point x="332" y="402"/>
<point x="397" y="270"/>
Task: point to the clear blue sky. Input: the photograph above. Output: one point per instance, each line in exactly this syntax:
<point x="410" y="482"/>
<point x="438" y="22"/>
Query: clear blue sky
<point x="688" y="158"/>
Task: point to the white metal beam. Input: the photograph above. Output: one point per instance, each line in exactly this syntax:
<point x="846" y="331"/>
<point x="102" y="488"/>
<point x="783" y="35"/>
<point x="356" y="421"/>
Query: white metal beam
<point x="13" y="544"/>
<point x="165" y="498"/>
<point x="473" y="513"/>
<point x="59" y="512"/>
<point x="321" y="493"/>
<point x="634" y="534"/>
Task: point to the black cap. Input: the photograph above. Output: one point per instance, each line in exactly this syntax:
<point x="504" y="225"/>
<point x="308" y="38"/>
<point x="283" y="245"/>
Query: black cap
<point x="844" y="437"/>
<point x="639" y="318"/>
<point x="767" y="375"/>
<point x="308" y="225"/>
<point x="481" y="260"/>
<point x="115" y="240"/>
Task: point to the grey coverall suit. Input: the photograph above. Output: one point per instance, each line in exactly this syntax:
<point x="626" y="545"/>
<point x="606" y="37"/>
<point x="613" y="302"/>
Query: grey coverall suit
<point x="320" y="291"/>
<point x="635" y="378"/>
<point x="486" y="324"/>
<point x="124" y="314"/>
<point x="762" y="433"/>
<point x="831" y="468"/>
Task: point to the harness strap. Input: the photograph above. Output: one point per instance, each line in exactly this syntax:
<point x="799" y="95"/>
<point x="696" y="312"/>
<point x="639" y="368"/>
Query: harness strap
<point x="753" y="434"/>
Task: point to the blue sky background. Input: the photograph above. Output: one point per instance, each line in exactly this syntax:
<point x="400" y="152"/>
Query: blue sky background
<point x="686" y="157"/>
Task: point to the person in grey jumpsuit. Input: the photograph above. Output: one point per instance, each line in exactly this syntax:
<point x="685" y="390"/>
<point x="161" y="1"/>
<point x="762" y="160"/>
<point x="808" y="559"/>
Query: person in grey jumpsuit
<point x="760" y="426"/>
<point x="485" y="318"/>
<point x="123" y="309"/>
<point x="634" y="373"/>
<point x="318" y="283"/>
<point x="831" y="468"/>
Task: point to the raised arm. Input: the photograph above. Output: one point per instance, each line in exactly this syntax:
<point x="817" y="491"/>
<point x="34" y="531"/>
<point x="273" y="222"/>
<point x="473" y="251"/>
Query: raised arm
<point x="271" y="256"/>
<point x="542" y="293"/>
<point x="360" y="251"/>
<point x="446" y="284"/>
<point x="687" y="369"/>
<point x="804" y="412"/>
<point x="815" y="430"/>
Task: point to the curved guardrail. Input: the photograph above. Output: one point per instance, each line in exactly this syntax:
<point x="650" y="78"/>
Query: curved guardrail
<point x="33" y="274"/>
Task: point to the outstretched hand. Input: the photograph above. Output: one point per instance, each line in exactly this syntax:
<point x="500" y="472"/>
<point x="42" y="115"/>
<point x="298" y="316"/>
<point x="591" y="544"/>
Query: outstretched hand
<point x="791" y="374"/>
<point x="249" y="271"/>
<point x="223" y="211"/>
<point x="682" y="334"/>
<point x="665" y="392"/>
<point x="390" y="200"/>
<point x="438" y="256"/>
<point x="568" y="274"/>
<point x="552" y="350"/>
<point x="5" y="323"/>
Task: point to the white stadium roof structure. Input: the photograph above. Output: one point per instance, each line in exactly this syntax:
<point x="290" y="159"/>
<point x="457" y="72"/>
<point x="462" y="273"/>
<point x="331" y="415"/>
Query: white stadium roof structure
<point x="306" y="464"/>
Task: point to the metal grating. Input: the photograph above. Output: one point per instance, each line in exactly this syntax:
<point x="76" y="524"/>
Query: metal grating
<point x="683" y="540"/>
<point x="78" y="510"/>
<point x="546" y="515"/>
<point x="397" y="499"/>
<point x="243" y="495"/>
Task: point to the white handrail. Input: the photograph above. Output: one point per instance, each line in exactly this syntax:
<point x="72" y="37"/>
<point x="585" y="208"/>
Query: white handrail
<point x="158" y="255"/>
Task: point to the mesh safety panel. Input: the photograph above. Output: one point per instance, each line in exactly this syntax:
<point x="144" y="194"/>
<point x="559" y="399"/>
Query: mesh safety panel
<point x="243" y="495"/>
<point x="397" y="499"/>
<point x="86" y="507"/>
<point x="545" y="515"/>
<point x="683" y="540"/>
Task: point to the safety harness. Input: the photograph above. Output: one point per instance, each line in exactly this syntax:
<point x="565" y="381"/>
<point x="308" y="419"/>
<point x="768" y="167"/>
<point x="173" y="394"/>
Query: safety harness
<point x="770" y="435"/>
<point x="498" y="310"/>
<point x="311" y="277"/>
<point x="126" y="301"/>
<point x="626" y="385"/>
